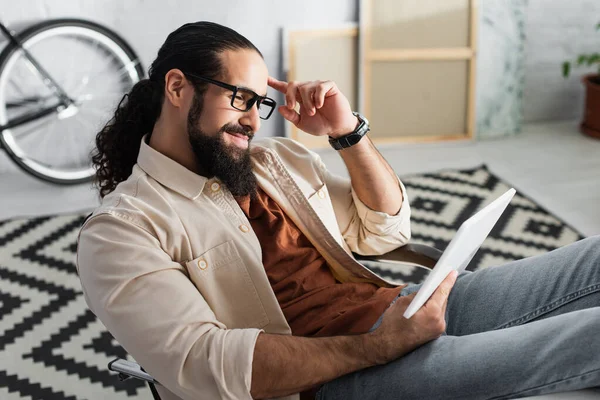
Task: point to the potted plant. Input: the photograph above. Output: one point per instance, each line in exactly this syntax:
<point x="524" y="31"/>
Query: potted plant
<point x="591" y="119"/>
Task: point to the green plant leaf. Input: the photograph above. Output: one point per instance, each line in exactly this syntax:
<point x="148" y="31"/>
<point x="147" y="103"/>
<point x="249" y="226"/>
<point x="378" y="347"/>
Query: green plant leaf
<point x="598" y="26"/>
<point x="593" y="59"/>
<point x="566" y="69"/>
<point x="582" y="59"/>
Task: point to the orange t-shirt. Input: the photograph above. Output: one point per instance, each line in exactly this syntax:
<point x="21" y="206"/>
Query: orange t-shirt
<point x="313" y="301"/>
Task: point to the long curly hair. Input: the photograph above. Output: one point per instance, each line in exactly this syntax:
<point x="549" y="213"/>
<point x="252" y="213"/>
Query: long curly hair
<point x="192" y="48"/>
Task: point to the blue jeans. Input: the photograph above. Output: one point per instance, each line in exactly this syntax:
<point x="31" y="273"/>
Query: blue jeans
<point x="525" y="328"/>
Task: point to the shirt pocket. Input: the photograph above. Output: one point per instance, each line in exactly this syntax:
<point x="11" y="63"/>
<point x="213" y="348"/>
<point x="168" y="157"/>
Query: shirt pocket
<point x="222" y="278"/>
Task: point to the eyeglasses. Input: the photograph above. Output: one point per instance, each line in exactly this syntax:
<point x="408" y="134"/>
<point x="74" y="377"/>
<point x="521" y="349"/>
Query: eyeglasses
<point x="243" y="99"/>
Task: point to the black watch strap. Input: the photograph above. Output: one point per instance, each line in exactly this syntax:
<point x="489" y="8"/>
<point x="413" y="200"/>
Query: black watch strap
<point x="353" y="137"/>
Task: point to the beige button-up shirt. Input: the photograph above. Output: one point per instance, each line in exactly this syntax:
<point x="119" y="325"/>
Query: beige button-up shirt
<point x="169" y="262"/>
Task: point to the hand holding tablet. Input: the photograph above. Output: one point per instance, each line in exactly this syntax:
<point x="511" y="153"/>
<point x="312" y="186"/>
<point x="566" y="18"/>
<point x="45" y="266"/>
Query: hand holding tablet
<point x="461" y="249"/>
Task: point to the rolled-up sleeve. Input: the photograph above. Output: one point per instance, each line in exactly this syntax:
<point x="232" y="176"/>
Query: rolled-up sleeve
<point x="396" y="227"/>
<point x="366" y="231"/>
<point x="151" y="307"/>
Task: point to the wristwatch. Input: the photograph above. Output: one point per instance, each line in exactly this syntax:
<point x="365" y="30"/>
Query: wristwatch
<point x="353" y="137"/>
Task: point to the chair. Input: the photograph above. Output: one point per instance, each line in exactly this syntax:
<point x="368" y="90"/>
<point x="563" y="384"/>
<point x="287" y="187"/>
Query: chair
<point x="416" y="254"/>
<point x="128" y="369"/>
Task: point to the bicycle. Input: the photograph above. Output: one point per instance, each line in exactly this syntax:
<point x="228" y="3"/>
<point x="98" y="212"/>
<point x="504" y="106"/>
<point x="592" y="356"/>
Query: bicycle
<point x="60" y="81"/>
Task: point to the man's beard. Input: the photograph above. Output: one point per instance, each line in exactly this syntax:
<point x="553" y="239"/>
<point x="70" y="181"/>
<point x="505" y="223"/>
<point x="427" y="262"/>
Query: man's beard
<point x="230" y="164"/>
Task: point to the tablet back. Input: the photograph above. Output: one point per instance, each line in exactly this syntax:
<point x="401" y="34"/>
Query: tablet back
<point x="462" y="248"/>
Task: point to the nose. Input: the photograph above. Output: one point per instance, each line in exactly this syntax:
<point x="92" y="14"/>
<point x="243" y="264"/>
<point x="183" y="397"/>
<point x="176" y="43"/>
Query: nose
<point x="251" y="119"/>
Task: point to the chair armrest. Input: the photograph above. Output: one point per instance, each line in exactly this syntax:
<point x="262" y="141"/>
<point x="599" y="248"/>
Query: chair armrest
<point x="414" y="253"/>
<point x="130" y="369"/>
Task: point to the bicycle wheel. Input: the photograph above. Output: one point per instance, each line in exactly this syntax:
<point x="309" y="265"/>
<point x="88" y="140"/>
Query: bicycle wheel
<point x="93" y="65"/>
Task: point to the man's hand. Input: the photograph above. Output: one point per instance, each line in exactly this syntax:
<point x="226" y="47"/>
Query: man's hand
<point x="324" y="110"/>
<point x="285" y="364"/>
<point x="427" y="324"/>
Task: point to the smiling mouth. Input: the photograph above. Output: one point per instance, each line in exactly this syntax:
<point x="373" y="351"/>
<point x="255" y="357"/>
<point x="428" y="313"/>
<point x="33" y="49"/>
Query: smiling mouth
<point x="239" y="135"/>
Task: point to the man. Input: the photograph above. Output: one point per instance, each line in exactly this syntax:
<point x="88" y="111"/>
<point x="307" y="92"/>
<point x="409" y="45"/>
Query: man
<point x="225" y="268"/>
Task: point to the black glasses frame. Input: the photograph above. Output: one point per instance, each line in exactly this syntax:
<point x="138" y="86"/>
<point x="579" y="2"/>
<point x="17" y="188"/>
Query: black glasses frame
<point x="256" y="98"/>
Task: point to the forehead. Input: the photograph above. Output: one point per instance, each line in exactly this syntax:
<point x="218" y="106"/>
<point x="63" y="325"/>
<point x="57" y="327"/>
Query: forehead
<point x="245" y="68"/>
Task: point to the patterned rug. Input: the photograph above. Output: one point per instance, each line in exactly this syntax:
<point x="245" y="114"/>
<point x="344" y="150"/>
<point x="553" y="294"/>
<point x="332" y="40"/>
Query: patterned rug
<point x="52" y="346"/>
<point x="442" y="201"/>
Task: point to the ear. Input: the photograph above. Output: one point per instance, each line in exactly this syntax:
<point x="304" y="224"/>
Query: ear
<point x="177" y="87"/>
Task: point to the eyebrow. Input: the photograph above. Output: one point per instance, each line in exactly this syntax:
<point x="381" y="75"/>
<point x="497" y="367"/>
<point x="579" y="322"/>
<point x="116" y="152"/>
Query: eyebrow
<point x="247" y="88"/>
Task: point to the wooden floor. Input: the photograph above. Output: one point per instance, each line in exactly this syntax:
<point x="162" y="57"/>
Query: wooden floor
<point x="550" y="162"/>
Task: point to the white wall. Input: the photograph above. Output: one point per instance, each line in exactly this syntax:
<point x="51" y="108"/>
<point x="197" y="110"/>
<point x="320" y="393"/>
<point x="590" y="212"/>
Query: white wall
<point x="145" y="24"/>
<point x="556" y="31"/>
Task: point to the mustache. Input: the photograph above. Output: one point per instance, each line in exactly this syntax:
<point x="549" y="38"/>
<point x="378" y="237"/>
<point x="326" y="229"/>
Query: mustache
<point x="234" y="128"/>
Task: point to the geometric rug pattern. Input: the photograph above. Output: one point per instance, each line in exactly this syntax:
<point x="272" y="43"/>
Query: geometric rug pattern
<point x="52" y="347"/>
<point x="442" y="201"/>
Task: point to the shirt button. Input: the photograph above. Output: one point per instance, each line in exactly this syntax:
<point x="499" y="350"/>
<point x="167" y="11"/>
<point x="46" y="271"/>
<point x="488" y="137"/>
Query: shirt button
<point x="244" y="228"/>
<point x="215" y="187"/>
<point x="321" y="194"/>
<point x="202" y="264"/>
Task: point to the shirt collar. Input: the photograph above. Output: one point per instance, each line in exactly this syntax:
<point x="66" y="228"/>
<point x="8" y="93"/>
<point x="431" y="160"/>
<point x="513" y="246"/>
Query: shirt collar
<point x="169" y="173"/>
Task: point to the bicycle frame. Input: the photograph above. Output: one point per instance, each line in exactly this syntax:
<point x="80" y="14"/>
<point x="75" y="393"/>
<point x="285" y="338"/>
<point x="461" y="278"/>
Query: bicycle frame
<point x="64" y="99"/>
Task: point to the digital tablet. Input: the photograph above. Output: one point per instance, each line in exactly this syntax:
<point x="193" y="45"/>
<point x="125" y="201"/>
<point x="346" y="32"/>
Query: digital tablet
<point x="461" y="249"/>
